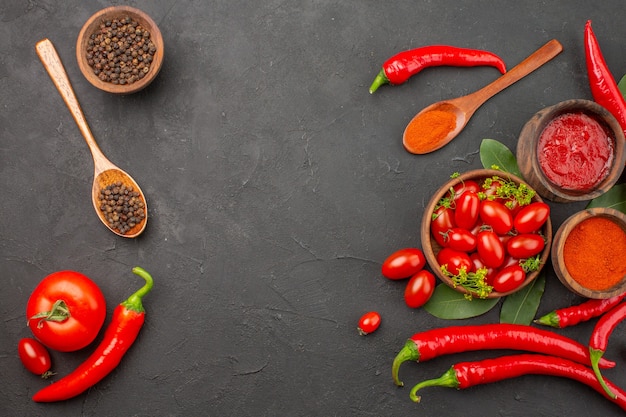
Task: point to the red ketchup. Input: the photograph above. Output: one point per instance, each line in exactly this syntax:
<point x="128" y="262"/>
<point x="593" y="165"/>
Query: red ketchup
<point x="575" y="151"/>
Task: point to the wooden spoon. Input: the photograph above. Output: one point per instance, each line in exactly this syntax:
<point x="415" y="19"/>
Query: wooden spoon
<point x="462" y="108"/>
<point x="105" y="172"/>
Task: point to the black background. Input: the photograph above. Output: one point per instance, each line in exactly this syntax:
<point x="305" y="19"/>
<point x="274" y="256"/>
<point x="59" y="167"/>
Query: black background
<point x="276" y="186"/>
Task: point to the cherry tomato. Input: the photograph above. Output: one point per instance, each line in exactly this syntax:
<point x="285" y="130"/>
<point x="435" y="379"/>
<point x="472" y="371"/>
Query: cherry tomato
<point x="466" y="211"/>
<point x="368" y="323"/>
<point x="461" y="239"/>
<point x="34" y="357"/>
<point x="509" y="278"/>
<point x="531" y="217"/>
<point x="492" y="189"/>
<point x="479" y="263"/>
<point x="467" y="185"/>
<point x="454" y="259"/>
<point x="443" y="220"/>
<point x="419" y="289"/>
<point x="526" y="245"/>
<point x="496" y="215"/>
<point x="490" y="248"/>
<point x="80" y="299"/>
<point x="403" y="263"/>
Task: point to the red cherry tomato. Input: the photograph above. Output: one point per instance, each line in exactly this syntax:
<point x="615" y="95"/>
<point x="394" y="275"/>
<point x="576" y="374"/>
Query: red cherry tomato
<point x="466" y="211"/>
<point x="531" y="217"/>
<point x="419" y="289"/>
<point x="526" y="245"/>
<point x="496" y="215"/>
<point x="83" y="302"/>
<point x="467" y="185"/>
<point x="403" y="263"/>
<point x="368" y="323"/>
<point x="461" y="239"/>
<point x="492" y="189"/>
<point x="454" y="260"/>
<point x="490" y="248"/>
<point x="443" y="221"/>
<point x="509" y="278"/>
<point x="34" y="357"/>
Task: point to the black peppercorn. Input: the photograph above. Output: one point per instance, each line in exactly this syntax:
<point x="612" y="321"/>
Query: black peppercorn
<point x="122" y="206"/>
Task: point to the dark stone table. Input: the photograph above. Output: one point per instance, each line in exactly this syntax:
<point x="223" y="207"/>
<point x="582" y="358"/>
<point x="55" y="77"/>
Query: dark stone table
<point x="276" y="186"/>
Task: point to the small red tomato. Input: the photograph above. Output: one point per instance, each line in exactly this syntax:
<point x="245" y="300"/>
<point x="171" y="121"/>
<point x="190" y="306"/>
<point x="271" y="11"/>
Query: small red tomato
<point x="442" y="222"/>
<point x="496" y="215"/>
<point x="531" y="217"/>
<point x="419" y="289"/>
<point x="491" y="189"/>
<point x="461" y="239"/>
<point x="490" y="248"/>
<point x="454" y="260"/>
<point x="467" y="185"/>
<point x="403" y="263"/>
<point x="66" y="311"/>
<point x="509" y="278"/>
<point x="368" y="323"/>
<point x="466" y="211"/>
<point x="526" y="245"/>
<point x="34" y="357"/>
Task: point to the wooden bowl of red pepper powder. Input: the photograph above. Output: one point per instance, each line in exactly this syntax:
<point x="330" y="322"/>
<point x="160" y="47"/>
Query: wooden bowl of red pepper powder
<point x="120" y="50"/>
<point x="588" y="253"/>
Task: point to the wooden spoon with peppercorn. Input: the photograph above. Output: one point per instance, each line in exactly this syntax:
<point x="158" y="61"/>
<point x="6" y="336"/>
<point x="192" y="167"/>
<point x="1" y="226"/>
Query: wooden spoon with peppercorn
<point x="110" y="183"/>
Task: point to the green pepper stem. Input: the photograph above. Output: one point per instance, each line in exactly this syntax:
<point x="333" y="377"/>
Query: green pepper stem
<point x="59" y="313"/>
<point x="448" y="380"/>
<point x="551" y="319"/>
<point x="134" y="301"/>
<point x="408" y="352"/>
<point x="380" y="79"/>
<point x="595" y="355"/>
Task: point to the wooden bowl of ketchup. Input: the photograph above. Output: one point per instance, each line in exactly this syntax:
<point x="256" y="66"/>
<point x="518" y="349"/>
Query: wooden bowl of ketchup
<point x="571" y="151"/>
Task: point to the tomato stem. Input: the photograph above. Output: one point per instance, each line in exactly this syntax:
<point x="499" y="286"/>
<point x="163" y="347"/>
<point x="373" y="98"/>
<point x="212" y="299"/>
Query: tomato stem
<point x="59" y="313"/>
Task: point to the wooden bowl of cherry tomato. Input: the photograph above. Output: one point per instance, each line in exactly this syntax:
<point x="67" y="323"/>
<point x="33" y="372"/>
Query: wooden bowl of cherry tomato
<point x="486" y="233"/>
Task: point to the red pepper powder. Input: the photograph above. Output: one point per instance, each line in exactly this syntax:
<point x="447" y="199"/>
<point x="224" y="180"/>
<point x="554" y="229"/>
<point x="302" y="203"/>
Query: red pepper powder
<point x="594" y="253"/>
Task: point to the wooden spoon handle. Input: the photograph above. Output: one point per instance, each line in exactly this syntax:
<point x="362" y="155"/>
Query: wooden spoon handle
<point x="53" y="65"/>
<point x="534" y="61"/>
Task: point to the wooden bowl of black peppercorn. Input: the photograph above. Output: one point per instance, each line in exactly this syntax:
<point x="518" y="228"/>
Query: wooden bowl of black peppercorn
<point x="120" y="50"/>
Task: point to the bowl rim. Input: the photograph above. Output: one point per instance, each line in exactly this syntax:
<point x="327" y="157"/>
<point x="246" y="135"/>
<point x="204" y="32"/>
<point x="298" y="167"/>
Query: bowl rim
<point x="536" y="124"/>
<point x="90" y="27"/>
<point x="559" y="240"/>
<point x="429" y="246"/>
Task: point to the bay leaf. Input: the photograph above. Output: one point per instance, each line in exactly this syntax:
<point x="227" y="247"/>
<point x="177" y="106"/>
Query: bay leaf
<point x="449" y="304"/>
<point x="614" y="198"/>
<point x="622" y="86"/>
<point x="493" y="153"/>
<point x="521" y="306"/>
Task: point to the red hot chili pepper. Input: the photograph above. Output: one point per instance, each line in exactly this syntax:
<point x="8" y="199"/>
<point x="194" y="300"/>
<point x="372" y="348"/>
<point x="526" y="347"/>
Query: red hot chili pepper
<point x="400" y="67"/>
<point x="603" y="86"/>
<point x="430" y="344"/>
<point x="600" y="339"/>
<point x="126" y="323"/>
<point x="571" y="316"/>
<point x="468" y="374"/>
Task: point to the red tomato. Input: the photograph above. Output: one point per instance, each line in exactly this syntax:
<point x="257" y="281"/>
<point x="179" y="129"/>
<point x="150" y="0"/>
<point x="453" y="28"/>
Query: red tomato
<point x="531" y="217"/>
<point x="461" y="239"/>
<point x="454" y="259"/>
<point x="509" y="278"/>
<point x="479" y="263"/>
<point x="34" y="356"/>
<point x="492" y="190"/>
<point x="419" y="289"/>
<point x="83" y="301"/>
<point x="403" y="263"/>
<point x="526" y="245"/>
<point x="466" y="211"/>
<point x="490" y="248"/>
<point x="368" y="323"/>
<point x="467" y="185"/>
<point x="443" y="220"/>
<point x="496" y="215"/>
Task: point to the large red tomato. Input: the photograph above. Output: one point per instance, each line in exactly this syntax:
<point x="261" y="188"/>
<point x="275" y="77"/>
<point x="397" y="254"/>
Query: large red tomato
<point x="66" y="311"/>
